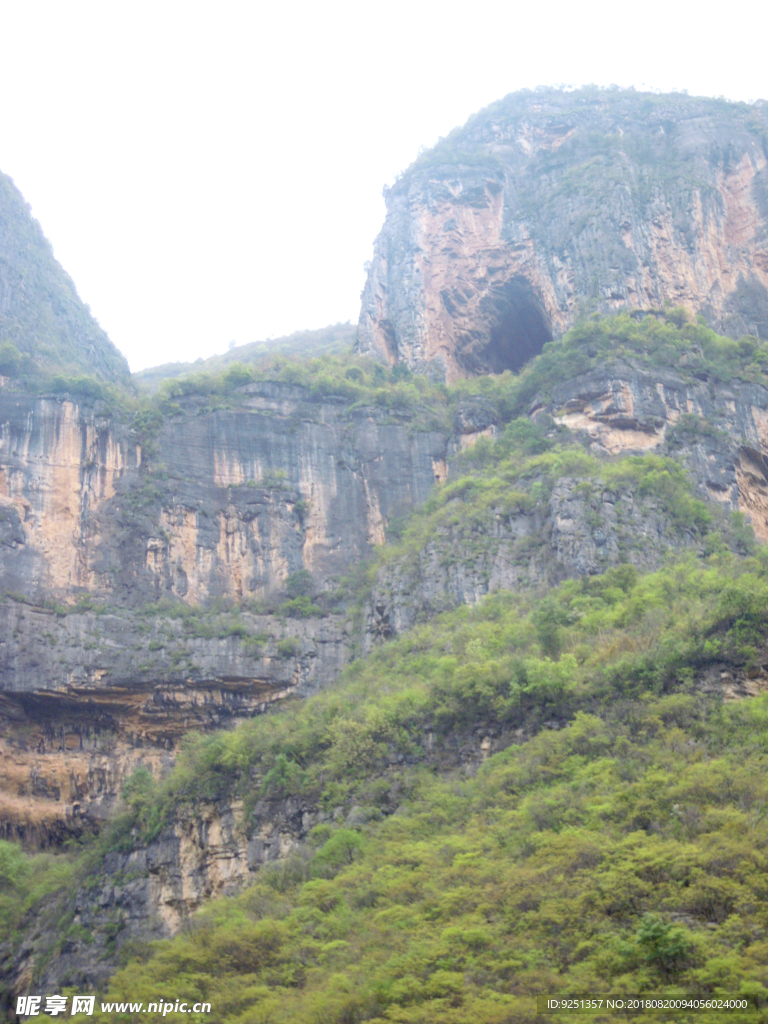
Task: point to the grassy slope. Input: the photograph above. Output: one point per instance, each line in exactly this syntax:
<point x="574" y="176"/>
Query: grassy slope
<point x="624" y="850"/>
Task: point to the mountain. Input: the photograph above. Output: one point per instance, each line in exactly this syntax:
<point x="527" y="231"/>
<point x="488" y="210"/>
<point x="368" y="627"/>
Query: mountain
<point x="44" y="327"/>
<point x="375" y="686"/>
<point x="326" y="340"/>
<point x="549" y="205"/>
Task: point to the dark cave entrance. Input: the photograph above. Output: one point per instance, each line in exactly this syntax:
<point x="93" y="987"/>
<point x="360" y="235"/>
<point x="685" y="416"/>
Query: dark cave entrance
<point x="519" y="330"/>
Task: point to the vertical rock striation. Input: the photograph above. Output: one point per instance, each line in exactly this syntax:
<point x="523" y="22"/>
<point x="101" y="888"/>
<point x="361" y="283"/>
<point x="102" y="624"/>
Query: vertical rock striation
<point x="549" y="204"/>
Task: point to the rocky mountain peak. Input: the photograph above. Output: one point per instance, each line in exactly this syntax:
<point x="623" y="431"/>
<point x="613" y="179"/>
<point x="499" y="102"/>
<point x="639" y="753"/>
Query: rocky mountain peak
<point x="550" y="204"/>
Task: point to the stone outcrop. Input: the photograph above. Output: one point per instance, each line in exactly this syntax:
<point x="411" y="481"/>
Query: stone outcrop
<point x="581" y="527"/>
<point x="88" y="698"/>
<point x="220" y="506"/>
<point x="549" y="204"/>
<point x="226" y="504"/>
<point x="719" y="431"/>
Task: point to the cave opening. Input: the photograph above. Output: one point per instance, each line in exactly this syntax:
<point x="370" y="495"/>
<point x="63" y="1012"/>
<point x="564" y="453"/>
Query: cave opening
<point x="516" y="328"/>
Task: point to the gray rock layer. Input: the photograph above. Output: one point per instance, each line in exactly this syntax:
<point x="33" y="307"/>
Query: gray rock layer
<point x="547" y="204"/>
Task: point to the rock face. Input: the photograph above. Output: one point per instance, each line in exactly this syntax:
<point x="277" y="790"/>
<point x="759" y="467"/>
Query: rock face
<point x="580" y="528"/>
<point x="217" y="506"/>
<point x="41" y="314"/>
<point x="719" y="431"/>
<point x="549" y="204"/>
<point x="87" y="698"/>
<point x="228" y="506"/>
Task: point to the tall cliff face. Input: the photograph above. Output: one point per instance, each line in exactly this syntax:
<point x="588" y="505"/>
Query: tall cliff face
<point x="549" y="204"/>
<point x="231" y="503"/>
<point x="149" y="560"/>
<point x="218" y="509"/>
<point x="43" y="323"/>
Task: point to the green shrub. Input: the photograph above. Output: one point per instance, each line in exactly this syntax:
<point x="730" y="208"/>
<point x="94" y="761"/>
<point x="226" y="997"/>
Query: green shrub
<point x="288" y="647"/>
<point x="10" y="359"/>
<point x="300" y="608"/>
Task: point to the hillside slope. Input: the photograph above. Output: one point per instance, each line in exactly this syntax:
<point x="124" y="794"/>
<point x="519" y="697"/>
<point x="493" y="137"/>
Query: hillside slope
<point x="330" y="340"/>
<point x="44" y="326"/>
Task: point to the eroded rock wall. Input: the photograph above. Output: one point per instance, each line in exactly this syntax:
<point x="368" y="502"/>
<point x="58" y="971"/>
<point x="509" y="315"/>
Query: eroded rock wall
<point x="549" y="204"/>
<point x="228" y="506"/>
<point x="218" y="506"/>
<point x="719" y="432"/>
<point x="581" y="527"/>
<point x="90" y="697"/>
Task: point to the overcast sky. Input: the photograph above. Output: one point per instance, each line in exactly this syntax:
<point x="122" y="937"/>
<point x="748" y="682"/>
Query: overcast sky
<point x="210" y="172"/>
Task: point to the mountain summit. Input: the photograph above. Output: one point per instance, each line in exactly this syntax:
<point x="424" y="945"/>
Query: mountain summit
<point x="550" y="204"/>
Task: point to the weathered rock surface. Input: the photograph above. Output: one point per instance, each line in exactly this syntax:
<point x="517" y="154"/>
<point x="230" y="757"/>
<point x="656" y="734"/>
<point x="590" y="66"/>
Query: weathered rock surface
<point x="223" y="506"/>
<point x="89" y="697"/>
<point x="547" y="204"/>
<point x="580" y="528"/>
<point x="720" y="431"/>
<point x="231" y="503"/>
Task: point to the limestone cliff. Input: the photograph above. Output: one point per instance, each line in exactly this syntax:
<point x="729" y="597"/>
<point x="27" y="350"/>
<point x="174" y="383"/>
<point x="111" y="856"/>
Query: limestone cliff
<point x="552" y="203"/>
<point x="218" y="506"/>
<point x="231" y="503"/>
<point x="147" y="559"/>
<point x="576" y="527"/>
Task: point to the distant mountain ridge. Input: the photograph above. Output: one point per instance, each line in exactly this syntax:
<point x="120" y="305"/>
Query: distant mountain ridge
<point x="331" y="340"/>
<point x="44" y="325"/>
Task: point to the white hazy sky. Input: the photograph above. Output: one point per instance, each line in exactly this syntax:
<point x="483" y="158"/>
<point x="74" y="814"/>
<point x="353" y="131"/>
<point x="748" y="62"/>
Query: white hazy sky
<point x="213" y="171"/>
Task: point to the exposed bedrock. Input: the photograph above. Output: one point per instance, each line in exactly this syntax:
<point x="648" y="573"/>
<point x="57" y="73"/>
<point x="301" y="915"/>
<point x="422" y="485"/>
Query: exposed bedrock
<point x="223" y="506"/>
<point x="229" y="505"/>
<point x="583" y="527"/>
<point x="548" y="204"/>
<point x="88" y="698"/>
<point x="719" y="431"/>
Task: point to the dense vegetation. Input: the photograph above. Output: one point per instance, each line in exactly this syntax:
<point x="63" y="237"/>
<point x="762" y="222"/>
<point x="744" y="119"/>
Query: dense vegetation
<point x="333" y="340"/>
<point x="622" y="854"/>
<point x="45" y="329"/>
<point x="616" y="844"/>
<point x="620" y="849"/>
